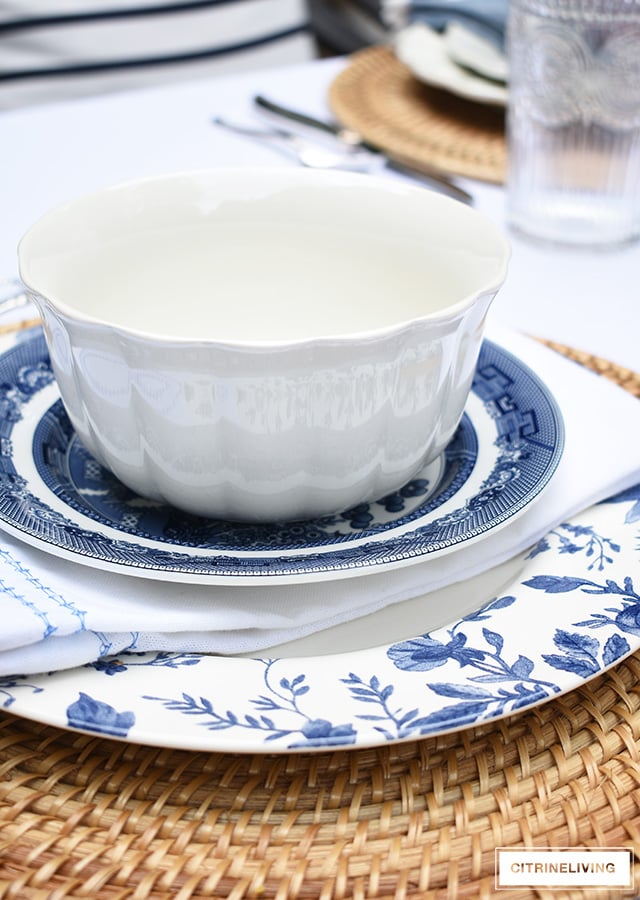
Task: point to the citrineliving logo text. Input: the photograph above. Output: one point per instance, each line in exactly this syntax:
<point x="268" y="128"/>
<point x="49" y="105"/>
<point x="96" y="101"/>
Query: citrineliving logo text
<point x="563" y="867"/>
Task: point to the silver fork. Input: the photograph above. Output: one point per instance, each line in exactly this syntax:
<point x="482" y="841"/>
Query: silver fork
<point x="306" y="152"/>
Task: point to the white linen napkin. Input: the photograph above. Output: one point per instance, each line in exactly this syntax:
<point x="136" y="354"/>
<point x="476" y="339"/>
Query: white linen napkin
<point x="59" y="614"/>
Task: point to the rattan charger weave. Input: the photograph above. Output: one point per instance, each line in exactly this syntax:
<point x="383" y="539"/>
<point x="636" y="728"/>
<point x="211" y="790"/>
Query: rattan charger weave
<point x="90" y="817"/>
<point x="379" y="97"/>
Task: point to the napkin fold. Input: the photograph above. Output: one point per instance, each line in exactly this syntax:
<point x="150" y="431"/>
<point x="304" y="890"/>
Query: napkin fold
<point x="59" y="614"/>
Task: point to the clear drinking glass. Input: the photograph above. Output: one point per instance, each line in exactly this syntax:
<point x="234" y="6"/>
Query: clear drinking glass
<point x="573" y="120"/>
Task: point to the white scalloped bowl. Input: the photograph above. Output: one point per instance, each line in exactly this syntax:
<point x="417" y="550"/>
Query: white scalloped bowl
<point x="263" y="344"/>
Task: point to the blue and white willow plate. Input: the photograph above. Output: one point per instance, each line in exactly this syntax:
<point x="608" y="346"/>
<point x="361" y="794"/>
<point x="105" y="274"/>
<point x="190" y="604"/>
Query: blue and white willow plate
<point x="54" y="495"/>
<point x="555" y="619"/>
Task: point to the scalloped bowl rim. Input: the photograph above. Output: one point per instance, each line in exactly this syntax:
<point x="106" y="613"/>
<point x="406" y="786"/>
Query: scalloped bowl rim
<point x="391" y="186"/>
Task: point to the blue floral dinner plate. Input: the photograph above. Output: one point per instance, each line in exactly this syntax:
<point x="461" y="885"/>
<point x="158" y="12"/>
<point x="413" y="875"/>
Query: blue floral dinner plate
<point x="555" y="619"/>
<point x="54" y="495"/>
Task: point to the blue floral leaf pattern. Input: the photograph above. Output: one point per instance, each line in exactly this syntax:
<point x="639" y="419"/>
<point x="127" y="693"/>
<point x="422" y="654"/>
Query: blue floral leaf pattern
<point x="493" y="638"/>
<point x="615" y="648"/>
<point x="501" y="602"/>
<point x="571" y="539"/>
<point x="634" y="513"/>
<point x="460" y="714"/>
<point x="631" y="494"/>
<point x="288" y="722"/>
<point x="517" y="682"/>
<point x="581" y="652"/>
<point x="496" y="678"/>
<point x="485" y="611"/>
<point x="628" y="619"/>
<point x="555" y="584"/>
<point x="91" y="714"/>
<point x="582" y="667"/>
<point x="576" y="643"/>
<point x="523" y="667"/>
<point x="419" y="654"/>
<point x="8" y="687"/>
<point x="465" y="692"/>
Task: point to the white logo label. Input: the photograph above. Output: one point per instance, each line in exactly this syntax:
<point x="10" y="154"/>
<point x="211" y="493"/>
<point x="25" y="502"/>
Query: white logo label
<point x="557" y="868"/>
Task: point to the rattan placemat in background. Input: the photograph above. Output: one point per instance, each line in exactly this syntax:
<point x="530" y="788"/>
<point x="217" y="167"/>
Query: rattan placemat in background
<point x="379" y="97"/>
<point x="96" y="818"/>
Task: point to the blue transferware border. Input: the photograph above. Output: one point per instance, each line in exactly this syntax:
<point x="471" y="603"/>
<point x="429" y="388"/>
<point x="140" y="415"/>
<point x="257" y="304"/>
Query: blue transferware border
<point x="528" y="440"/>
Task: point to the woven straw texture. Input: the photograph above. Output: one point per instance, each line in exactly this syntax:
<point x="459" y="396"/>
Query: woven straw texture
<point x="88" y="817"/>
<point x="379" y="97"/>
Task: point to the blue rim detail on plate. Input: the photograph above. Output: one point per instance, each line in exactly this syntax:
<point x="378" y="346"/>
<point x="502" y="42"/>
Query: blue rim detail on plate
<point x="512" y="422"/>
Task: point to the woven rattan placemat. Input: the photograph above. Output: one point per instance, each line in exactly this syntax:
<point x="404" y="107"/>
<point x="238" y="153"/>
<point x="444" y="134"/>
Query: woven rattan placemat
<point x="379" y="97"/>
<point x="95" y="818"/>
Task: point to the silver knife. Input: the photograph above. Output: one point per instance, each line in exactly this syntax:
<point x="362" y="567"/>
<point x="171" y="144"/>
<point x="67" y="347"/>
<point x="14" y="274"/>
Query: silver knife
<point x="349" y="138"/>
